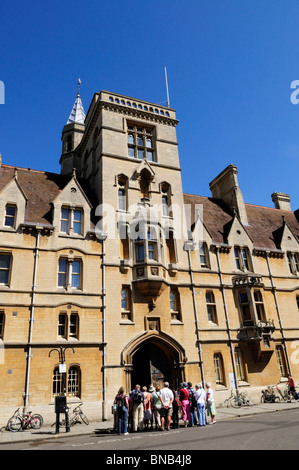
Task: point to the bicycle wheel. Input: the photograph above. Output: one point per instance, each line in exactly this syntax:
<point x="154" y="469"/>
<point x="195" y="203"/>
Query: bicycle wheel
<point x="14" y="424"/>
<point x="84" y="418"/>
<point x="36" y="421"/>
<point x="249" y="402"/>
<point x="236" y="402"/>
<point x="39" y="417"/>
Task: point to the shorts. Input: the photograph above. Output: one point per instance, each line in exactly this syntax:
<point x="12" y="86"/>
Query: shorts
<point x="165" y="412"/>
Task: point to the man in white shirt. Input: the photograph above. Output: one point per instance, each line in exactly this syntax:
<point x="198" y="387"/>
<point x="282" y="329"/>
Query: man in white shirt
<point x="200" y="397"/>
<point x="166" y="397"/>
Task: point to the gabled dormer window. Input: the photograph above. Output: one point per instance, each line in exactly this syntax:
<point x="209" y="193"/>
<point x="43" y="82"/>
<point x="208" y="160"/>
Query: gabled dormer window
<point x="71" y="221"/>
<point x="65" y="220"/>
<point x="77" y="225"/>
<point x="10" y="215"/>
<point x="203" y="255"/>
<point x="293" y="261"/>
<point x="242" y="258"/>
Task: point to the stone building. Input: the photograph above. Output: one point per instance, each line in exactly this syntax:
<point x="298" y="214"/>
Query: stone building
<point x="135" y="281"/>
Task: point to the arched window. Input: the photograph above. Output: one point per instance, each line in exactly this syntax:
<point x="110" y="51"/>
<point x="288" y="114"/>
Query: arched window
<point x="218" y="367"/>
<point x="73" y="379"/>
<point x="166" y="199"/>
<point x="175" y="304"/>
<point x="57" y="382"/>
<point x="73" y="382"/>
<point x="122" y="192"/>
<point x="144" y="184"/>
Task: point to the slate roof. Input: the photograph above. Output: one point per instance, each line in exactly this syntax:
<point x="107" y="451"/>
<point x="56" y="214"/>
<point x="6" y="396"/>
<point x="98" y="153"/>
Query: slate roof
<point x="40" y="189"/>
<point x="265" y="224"/>
<point x="77" y="113"/>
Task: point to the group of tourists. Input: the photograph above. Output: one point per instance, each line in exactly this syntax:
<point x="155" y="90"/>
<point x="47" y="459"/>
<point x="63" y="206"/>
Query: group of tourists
<point x="158" y="408"/>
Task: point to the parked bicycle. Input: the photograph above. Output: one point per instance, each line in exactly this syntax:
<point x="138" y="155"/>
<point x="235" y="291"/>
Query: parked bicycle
<point x="284" y="396"/>
<point x="77" y="416"/>
<point x="269" y="395"/>
<point x="24" y="421"/>
<point x="237" y="400"/>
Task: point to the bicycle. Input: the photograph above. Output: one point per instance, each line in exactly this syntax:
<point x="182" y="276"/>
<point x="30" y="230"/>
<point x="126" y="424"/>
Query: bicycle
<point x="77" y="416"/>
<point x="269" y="395"/>
<point x="237" y="400"/>
<point x="285" y="394"/>
<point x="24" y="421"/>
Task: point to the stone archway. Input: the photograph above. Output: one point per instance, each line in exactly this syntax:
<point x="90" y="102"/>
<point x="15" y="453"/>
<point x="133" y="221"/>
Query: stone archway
<point x="152" y="359"/>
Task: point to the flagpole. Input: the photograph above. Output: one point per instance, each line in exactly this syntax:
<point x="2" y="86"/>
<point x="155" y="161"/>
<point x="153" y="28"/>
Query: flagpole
<point x="168" y="102"/>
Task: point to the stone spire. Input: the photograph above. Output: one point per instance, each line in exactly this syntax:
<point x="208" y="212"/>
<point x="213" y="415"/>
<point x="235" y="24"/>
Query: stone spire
<point x="77" y="113"/>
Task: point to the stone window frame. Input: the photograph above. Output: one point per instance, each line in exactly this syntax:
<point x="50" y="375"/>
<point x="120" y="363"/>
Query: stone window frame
<point x="9" y="216"/>
<point x="2" y="323"/>
<point x="211" y="307"/>
<point x="175" y="304"/>
<point x="126" y="308"/>
<point x="141" y="133"/>
<point x="68" y="324"/>
<point x="242" y="258"/>
<point x="219" y="369"/>
<point x="71" y="220"/>
<point x="8" y="270"/>
<point x="293" y="262"/>
<point x="204" y="258"/>
<point x="69" y="273"/>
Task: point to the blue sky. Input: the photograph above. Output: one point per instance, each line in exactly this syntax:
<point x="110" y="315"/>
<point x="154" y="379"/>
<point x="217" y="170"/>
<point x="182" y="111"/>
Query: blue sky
<point x="230" y="65"/>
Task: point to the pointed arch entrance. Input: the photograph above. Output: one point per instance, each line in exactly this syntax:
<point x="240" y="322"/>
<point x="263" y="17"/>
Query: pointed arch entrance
<point x="152" y="359"/>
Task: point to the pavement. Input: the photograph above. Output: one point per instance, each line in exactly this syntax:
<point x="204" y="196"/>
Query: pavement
<point x="106" y="427"/>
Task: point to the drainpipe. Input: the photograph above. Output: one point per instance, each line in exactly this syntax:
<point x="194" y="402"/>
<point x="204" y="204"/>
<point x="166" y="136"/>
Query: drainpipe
<point x="31" y="320"/>
<point x="227" y="320"/>
<point x="104" y="411"/>
<point x="278" y="312"/>
<point x="189" y="247"/>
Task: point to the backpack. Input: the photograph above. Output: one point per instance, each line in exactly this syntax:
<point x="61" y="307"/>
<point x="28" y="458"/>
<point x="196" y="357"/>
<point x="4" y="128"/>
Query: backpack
<point x="119" y="403"/>
<point x="137" y="398"/>
<point x="192" y="398"/>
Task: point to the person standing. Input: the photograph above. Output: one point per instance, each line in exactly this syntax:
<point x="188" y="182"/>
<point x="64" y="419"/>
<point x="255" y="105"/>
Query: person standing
<point x="184" y="397"/>
<point x="291" y="387"/>
<point x="157" y="406"/>
<point x="138" y="408"/>
<point x="121" y="407"/>
<point x="193" y="405"/>
<point x="147" y="408"/>
<point x="211" y="409"/>
<point x="200" y="397"/>
<point x="166" y="397"/>
<point x="176" y="405"/>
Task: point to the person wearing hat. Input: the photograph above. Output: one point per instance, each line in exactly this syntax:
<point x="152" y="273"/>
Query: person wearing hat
<point x="148" y="415"/>
<point x="184" y="397"/>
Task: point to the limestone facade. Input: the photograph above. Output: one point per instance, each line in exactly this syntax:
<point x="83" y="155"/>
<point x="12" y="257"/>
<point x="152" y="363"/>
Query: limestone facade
<point x="135" y="280"/>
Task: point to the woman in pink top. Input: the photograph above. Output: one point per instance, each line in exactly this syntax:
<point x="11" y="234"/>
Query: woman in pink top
<point x="184" y="397"/>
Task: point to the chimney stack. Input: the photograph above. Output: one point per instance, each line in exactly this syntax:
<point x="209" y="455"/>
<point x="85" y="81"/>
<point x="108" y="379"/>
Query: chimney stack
<point x="281" y="201"/>
<point x="226" y="187"/>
